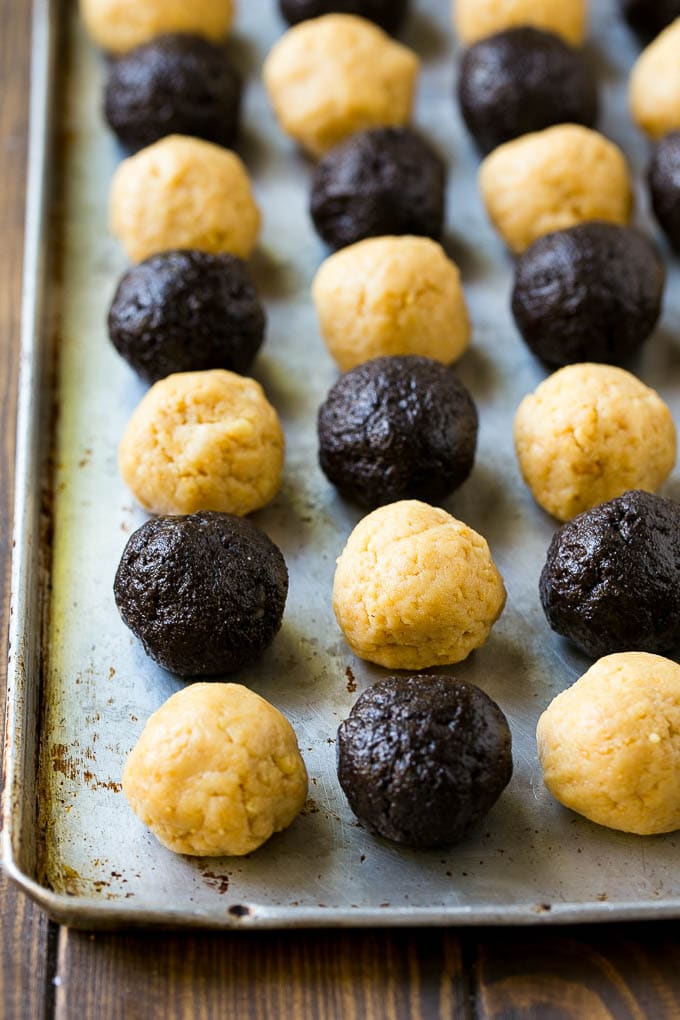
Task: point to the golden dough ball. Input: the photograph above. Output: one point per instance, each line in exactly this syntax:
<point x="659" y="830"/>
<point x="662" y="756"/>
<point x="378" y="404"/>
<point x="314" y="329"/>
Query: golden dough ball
<point x="203" y="441"/>
<point x="553" y="179"/>
<point x="414" y="588"/>
<point x="332" y="76"/>
<point x="475" y="19"/>
<point x="391" y="295"/>
<point x="590" y="433"/>
<point x="216" y="771"/>
<point x="609" y="746"/>
<point x="183" y="193"/>
<point x="654" y="92"/>
<point x="120" y="25"/>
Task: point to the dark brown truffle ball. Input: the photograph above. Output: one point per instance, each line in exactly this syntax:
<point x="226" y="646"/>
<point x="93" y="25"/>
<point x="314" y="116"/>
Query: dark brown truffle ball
<point x="389" y="14"/>
<point x="422" y="759"/>
<point x="173" y="85"/>
<point x="649" y="17"/>
<point x="386" y="181"/>
<point x="397" y="428"/>
<point x="611" y="580"/>
<point x="589" y="293"/>
<point x="205" y="594"/>
<point x="185" y="311"/>
<point x="523" y="80"/>
<point x="664" y="186"/>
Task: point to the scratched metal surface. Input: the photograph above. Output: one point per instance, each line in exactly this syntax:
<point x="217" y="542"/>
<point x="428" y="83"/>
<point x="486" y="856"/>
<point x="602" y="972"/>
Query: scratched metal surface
<point x="93" y="864"/>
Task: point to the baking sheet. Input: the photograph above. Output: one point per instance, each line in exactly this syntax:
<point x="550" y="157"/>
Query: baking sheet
<point x="80" y="687"/>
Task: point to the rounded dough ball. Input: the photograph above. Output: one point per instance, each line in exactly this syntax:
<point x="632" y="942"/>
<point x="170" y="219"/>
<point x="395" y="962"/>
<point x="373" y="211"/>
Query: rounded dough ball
<point x="183" y="193"/>
<point x="475" y="19"/>
<point x="332" y="76"/>
<point x="391" y="295"/>
<point x="654" y="92"/>
<point x="554" y="179"/>
<point x="120" y="25"/>
<point x="609" y="746"/>
<point x="588" y="434"/>
<point x="415" y="588"/>
<point x="203" y="441"/>
<point x="216" y="771"/>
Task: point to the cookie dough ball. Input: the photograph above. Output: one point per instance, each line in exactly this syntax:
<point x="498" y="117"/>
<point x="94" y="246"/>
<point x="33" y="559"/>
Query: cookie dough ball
<point x="590" y="293"/>
<point x="204" y="594"/>
<point x="203" y="441"/>
<point x="333" y="76"/>
<point x="173" y="85"/>
<point x="650" y="18"/>
<point x="216" y="771"/>
<point x="397" y="428"/>
<point x="523" y="80"/>
<point x="588" y="434"/>
<point x="654" y="93"/>
<point x="391" y="295"/>
<point x="664" y="186"/>
<point x="475" y="19"/>
<point x="184" y="311"/>
<point x="415" y="588"/>
<point x="183" y="193"/>
<point x="610" y="744"/>
<point x="422" y="759"/>
<point x="120" y="25"/>
<point x="384" y="181"/>
<point x="611" y="580"/>
<point x="389" y="14"/>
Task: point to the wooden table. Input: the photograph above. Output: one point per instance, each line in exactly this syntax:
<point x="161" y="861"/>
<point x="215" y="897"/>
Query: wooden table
<point x="618" y="971"/>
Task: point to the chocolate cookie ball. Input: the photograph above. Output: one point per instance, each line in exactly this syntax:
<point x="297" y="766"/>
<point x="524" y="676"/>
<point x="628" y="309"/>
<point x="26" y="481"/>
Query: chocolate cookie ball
<point x="397" y="428"/>
<point x="389" y="14"/>
<point x="611" y="580"/>
<point x="590" y="293"/>
<point x="184" y="311"/>
<point x="422" y="759"/>
<point x="523" y="80"/>
<point x="664" y="186"/>
<point x="176" y="84"/>
<point x="649" y="17"/>
<point x="204" y="594"/>
<point x="385" y="181"/>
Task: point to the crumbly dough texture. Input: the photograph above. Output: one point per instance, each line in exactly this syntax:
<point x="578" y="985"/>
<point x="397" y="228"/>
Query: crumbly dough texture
<point x="120" y="25"/>
<point x="216" y="771"/>
<point x="391" y="295"/>
<point x="203" y="441"/>
<point x="610" y="744"/>
<point x="332" y="76"/>
<point x="415" y="588"/>
<point x="654" y="92"/>
<point x="183" y="193"/>
<point x="475" y="19"/>
<point x="588" y="434"/>
<point x="554" y="179"/>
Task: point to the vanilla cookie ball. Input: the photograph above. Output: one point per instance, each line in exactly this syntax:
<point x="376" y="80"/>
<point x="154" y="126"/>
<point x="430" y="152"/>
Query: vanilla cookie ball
<point x="216" y="772"/>
<point x="335" y="75"/>
<point x="654" y="92"/>
<point x="475" y="19"/>
<point x="553" y="179"/>
<point x="120" y="25"/>
<point x="203" y="441"/>
<point x="415" y="588"/>
<point x="180" y="193"/>
<point x="391" y="295"/>
<point x="588" y="434"/>
<point x="609" y="746"/>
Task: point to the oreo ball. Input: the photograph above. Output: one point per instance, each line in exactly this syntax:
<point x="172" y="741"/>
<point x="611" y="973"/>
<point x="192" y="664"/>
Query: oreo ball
<point x="389" y="14"/>
<point x="173" y="85"/>
<point x="649" y="17"/>
<point x="387" y="181"/>
<point x="523" y="80"/>
<point x="422" y="759"/>
<point x="664" y="186"/>
<point x="397" y="428"/>
<point x="185" y="311"/>
<point x="611" y="580"/>
<point x="204" y="594"/>
<point x="589" y="293"/>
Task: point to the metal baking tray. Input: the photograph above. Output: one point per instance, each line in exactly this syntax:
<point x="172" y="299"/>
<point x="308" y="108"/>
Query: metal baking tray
<point x="79" y="685"/>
